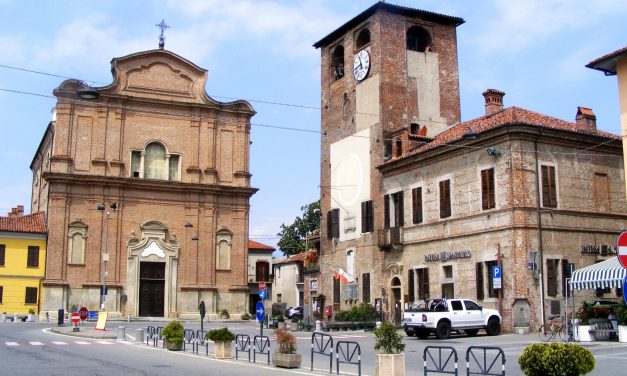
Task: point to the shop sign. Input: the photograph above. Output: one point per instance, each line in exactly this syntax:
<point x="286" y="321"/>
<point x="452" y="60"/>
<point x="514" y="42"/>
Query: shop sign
<point x="602" y="249"/>
<point x="448" y="255"/>
<point x="314" y="284"/>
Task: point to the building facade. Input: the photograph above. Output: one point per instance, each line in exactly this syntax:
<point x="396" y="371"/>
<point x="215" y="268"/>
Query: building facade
<point x="259" y="269"/>
<point x="22" y="261"/>
<point x="420" y="205"/>
<point x="146" y="187"/>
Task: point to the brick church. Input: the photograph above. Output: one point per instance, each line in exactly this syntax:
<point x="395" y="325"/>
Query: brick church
<point x="418" y="204"/>
<point x="146" y="185"/>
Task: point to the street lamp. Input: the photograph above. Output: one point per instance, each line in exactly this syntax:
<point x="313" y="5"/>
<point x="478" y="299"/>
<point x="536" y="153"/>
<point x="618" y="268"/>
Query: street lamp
<point x="105" y="255"/>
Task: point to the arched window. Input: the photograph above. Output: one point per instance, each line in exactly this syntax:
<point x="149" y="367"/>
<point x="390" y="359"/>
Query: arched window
<point x="223" y="245"/>
<point x="337" y="62"/>
<point x="363" y="38"/>
<point x="77" y="235"/>
<point x="155" y="162"/>
<point x="418" y="39"/>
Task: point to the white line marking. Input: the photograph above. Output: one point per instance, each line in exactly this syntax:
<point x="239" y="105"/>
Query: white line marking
<point x="59" y="343"/>
<point x="104" y="342"/>
<point x="36" y="343"/>
<point x="12" y="343"/>
<point x="82" y="343"/>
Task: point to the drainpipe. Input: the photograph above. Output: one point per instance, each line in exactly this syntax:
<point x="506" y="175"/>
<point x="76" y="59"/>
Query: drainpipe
<point x="498" y="262"/>
<point x="539" y="219"/>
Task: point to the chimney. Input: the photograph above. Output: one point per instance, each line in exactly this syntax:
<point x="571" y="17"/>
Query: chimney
<point x="17" y="212"/>
<point x="585" y="120"/>
<point x="493" y="101"/>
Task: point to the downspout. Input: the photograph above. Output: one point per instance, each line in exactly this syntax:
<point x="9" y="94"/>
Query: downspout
<point x="539" y="219"/>
<point x="498" y="262"/>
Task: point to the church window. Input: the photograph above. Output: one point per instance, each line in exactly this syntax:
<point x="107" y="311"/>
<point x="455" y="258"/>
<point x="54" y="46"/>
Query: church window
<point x="418" y="39"/>
<point x="337" y="62"/>
<point x="155" y="162"/>
<point x="363" y="38"/>
<point x="223" y="259"/>
<point x="77" y="235"/>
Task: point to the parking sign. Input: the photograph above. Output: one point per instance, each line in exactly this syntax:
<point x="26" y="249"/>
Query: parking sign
<point x="496" y="277"/>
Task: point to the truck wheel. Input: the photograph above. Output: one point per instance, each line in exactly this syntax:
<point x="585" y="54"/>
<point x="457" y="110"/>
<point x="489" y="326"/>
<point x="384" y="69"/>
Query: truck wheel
<point x="471" y="332"/>
<point x="443" y="331"/>
<point x="422" y="334"/>
<point x="494" y="327"/>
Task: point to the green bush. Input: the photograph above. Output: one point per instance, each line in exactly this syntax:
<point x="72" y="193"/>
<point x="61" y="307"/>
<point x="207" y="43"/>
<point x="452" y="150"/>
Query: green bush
<point x="556" y="359"/>
<point x="224" y="314"/>
<point x="361" y="313"/>
<point x="295" y="319"/>
<point x="174" y="332"/>
<point x="245" y="316"/>
<point x="388" y="339"/>
<point x="217" y="335"/>
<point x="280" y="318"/>
<point x="621" y="313"/>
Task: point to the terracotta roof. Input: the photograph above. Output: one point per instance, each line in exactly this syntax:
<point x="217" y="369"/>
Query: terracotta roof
<point x="297" y="257"/>
<point x="31" y="223"/>
<point x="255" y="245"/>
<point x="508" y="116"/>
<point x="607" y="63"/>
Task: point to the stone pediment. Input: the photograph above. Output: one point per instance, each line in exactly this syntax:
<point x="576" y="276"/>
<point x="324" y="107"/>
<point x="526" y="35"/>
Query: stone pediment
<point x="159" y="78"/>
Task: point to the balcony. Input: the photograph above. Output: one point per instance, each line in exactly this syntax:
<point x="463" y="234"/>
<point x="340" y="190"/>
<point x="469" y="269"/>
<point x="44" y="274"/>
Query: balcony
<point x="390" y="239"/>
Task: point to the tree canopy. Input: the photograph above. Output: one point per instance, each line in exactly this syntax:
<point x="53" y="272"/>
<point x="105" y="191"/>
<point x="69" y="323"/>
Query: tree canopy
<point x="293" y="236"/>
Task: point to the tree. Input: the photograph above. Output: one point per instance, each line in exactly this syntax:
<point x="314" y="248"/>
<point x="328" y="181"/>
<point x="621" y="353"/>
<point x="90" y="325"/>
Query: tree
<point x="293" y="236"/>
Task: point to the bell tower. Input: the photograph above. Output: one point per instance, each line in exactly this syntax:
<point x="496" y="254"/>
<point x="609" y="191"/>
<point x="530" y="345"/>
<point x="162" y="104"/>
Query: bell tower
<point x="389" y="71"/>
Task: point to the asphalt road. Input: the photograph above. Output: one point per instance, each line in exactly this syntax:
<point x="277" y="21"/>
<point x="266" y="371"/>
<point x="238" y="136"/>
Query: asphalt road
<point x="32" y="349"/>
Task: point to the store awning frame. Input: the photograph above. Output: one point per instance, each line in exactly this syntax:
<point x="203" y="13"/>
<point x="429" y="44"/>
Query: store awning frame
<point x="609" y="273"/>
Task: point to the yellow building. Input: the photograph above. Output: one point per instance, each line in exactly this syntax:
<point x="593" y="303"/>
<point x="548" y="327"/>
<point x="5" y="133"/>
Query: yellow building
<point x="22" y="261"/>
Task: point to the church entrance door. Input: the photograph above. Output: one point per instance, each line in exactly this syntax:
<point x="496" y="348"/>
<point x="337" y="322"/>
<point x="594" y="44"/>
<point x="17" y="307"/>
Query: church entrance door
<point x="151" y="289"/>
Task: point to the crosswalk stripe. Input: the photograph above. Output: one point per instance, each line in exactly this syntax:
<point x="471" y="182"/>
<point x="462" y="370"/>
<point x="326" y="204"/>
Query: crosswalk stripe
<point x="12" y="343"/>
<point x="59" y="343"/>
<point x="36" y="343"/>
<point x="104" y="342"/>
<point x="82" y="343"/>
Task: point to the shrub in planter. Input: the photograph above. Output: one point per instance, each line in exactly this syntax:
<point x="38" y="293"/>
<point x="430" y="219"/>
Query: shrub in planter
<point x="286" y="355"/>
<point x="245" y="316"/>
<point x="223" y="339"/>
<point x="174" y="335"/>
<point x="388" y="339"/>
<point x="556" y="359"/>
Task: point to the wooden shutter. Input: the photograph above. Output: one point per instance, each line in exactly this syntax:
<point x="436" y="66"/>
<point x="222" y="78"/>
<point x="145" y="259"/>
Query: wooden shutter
<point x="33" y="256"/>
<point x="416" y="196"/>
<point x="370" y="216"/>
<point x="551" y="278"/>
<point x="262" y="270"/>
<point x="410" y="285"/>
<point x="335" y="223"/>
<point x="423" y="283"/>
<point x="364" y="217"/>
<point x="479" y="283"/>
<point x="445" y="198"/>
<point x="400" y="210"/>
<point x="386" y="211"/>
<point x="365" y="280"/>
<point x="2" y="253"/>
<point x="601" y="192"/>
<point x="1" y="292"/>
<point x="487" y="189"/>
<point x="336" y="291"/>
<point x="549" y="191"/>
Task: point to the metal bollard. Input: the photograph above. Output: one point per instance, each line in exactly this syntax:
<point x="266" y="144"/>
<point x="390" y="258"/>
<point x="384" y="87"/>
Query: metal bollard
<point x="139" y="335"/>
<point x="60" y="316"/>
<point x="128" y="318"/>
<point x="121" y="333"/>
<point x="318" y="326"/>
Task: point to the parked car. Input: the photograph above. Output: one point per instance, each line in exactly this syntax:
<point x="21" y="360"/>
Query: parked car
<point x="294" y="312"/>
<point x="442" y="316"/>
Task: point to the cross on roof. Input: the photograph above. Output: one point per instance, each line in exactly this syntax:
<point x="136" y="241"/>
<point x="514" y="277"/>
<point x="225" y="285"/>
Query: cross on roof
<point x="162" y="26"/>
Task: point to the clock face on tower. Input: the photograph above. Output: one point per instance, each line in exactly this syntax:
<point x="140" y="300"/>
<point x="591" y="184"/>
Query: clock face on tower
<point x="361" y="66"/>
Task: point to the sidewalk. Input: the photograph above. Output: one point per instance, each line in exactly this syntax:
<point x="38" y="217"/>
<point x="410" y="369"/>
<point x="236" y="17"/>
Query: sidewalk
<point x="86" y="331"/>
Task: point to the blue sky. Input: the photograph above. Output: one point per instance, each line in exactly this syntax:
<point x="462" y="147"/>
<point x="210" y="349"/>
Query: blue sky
<point x="533" y="50"/>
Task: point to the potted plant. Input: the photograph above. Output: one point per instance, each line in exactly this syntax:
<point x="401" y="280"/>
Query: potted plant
<point x="32" y="316"/>
<point x="223" y="339"/>
<point x="173" y="335"/>
<point x="584" y="314"/>
<point x="224" y="314"/>
<point x="294" y="323"/>
<point x="286" y="355"/>
<point x="392" y="359"/>
<point x="280" y="322"/>
<point x="621" y="316"/>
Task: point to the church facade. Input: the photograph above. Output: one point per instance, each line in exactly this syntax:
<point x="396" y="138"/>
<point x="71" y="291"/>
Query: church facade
<point x="146" y="185"/>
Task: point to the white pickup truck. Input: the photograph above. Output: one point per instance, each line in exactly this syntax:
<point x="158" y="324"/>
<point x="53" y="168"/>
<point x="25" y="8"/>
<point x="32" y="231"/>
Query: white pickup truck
<point x="443" y="316"/>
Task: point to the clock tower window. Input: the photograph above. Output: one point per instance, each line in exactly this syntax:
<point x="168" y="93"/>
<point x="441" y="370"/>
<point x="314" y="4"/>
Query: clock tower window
<point x="363" y="38"/>
<point x="418" y="39"/>
<point x="337" y="62"/>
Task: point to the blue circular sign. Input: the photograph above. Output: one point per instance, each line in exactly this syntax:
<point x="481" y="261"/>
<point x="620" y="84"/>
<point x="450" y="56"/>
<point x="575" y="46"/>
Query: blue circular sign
<point x="625" y="289"/>
<point x="260" y="310"/>
<point x="262" y="294"/>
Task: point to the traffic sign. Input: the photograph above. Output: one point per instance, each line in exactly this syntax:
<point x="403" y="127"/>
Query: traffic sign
<point x="496" y="277"/>
<point x="83" y="312"/>
<point x="75" y="318"/>
<point x="262" y="294"/>
<point x="622" y="249"/>
<point x="260" y="310"/>
<point x="262" y="285"/>
<point x="625" y="289"/>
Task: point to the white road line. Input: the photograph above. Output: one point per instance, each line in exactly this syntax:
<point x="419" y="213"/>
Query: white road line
<point x="36" y="343"/>
<point x="11" y="343"/>
<point x="59" y="343"/>
<point x="104" y="342"/>
<point x="82" y="343"/>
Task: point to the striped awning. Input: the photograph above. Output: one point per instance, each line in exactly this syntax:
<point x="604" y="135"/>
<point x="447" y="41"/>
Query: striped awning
<point x="608" y="273"/>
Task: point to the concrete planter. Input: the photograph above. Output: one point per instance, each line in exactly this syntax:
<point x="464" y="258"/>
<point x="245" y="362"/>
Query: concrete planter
<point x="293" y="326"/>
<point x="583" y="334"/>
<point x="223" y="349"/>
<point x="286" y="360"/>
<point x="281" y="325"/>
<point x="31" y="317"/>
<point x="622" y="333"/>
<point x="174" y="346"/>
<point x="390" y="365"/>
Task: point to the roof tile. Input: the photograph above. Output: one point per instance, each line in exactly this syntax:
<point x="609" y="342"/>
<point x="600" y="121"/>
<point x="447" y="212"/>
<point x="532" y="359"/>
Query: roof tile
<point x="31" y="223"/>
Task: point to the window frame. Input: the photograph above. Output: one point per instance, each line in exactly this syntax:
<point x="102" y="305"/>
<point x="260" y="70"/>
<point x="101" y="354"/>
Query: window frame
<point x="3" y="249"/>
<point x="444" y="198"/>
<point x="32" y="260"/>
<point x="333" y="223"/>
<point x="417" y="205"/>
<point x="30" y="292"/>
<point x="548" y="185"/>
<point x="367" y="217"/>
<point x="488" y="188"/>
<point x="492" y="292"/>
<point x="422" y="275"/>
<point x="365" y="289"/>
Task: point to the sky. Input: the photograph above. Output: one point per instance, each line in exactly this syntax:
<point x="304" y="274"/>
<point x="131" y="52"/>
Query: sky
<point x="261" y="50"/>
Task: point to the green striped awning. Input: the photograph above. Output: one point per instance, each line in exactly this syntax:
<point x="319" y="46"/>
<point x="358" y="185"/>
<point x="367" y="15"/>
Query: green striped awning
<point x="608" y="273"/>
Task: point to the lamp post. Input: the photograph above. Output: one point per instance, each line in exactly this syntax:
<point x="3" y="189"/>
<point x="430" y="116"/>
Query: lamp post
<point x="105" y="255"/>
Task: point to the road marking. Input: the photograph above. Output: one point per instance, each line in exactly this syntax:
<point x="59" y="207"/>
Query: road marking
<point x="12" y="344"/>
<point x="82" y="343"/>
<point x="104" y="342"/>
<point x="36" y="343"/>
<point x="59" y="343"/>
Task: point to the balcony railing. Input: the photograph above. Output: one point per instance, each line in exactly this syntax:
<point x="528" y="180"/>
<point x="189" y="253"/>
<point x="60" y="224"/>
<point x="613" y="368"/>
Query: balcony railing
<point x="390" y="238"/>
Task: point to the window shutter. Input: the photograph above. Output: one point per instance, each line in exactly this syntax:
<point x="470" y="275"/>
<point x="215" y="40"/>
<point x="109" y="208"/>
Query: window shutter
<point x="2" y="252"/>
<point x="445" y="199"/>
<point x="416" y="194"/>
<point x="551" y="280"/>
<point x="386" y="210"/>
<point x="401" y="210"/>
<point x="370" y="216"/>
<point x="479" y="283"/>
<point x="364" y="217"/>
<point x="423" y="283"/>
<point x="410" y="285"/>
<point x="487" y="189"/>
<point x="335" y="223"/>
<point x="366" y="287"/>
<point x="549" y="191"/>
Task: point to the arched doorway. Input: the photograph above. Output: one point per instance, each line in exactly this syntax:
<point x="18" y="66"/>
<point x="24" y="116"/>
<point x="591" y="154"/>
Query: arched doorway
<point x="397" y="304"/>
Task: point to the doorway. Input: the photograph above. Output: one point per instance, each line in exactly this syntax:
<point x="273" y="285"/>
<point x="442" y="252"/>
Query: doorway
<point x="151" y="289"/>
<point x="396" y="292"/>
